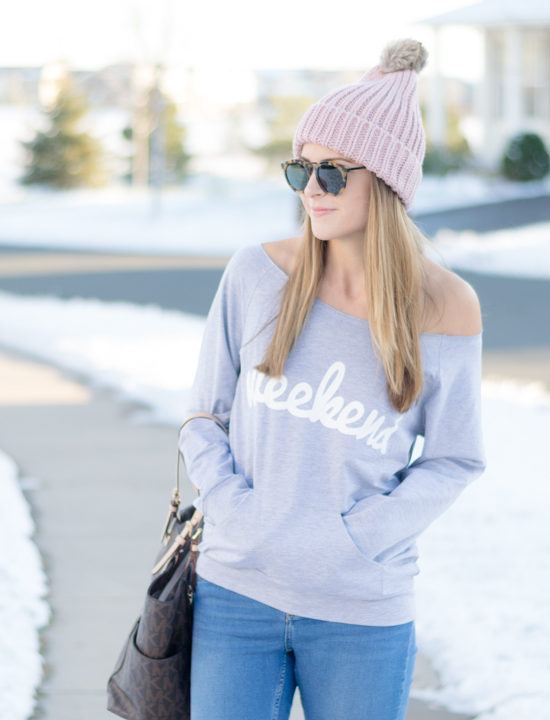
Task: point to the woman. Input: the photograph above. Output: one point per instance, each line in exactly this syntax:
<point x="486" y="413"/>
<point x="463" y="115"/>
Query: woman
<point x="328" y="355"/>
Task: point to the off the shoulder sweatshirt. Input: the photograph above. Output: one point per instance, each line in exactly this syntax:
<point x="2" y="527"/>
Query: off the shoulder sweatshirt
<point x="312" y="504"/>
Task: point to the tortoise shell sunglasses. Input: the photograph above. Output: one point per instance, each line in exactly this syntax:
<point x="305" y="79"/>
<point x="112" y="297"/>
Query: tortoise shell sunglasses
<point x="331" y="176"/>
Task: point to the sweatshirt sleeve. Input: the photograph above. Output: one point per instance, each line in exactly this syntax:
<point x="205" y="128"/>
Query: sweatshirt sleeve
<point x="204" y="445"/>
<point x="382" y="525"/>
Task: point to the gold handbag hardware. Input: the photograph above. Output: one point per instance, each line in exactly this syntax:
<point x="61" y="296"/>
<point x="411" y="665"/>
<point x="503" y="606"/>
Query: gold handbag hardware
<point x="176" y="496"/>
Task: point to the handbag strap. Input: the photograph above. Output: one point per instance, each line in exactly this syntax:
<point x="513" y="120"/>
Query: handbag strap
<point x="176" y="495"/>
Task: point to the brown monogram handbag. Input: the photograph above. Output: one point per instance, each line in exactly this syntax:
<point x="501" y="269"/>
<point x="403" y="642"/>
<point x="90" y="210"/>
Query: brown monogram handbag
<point x="151" y="679"/>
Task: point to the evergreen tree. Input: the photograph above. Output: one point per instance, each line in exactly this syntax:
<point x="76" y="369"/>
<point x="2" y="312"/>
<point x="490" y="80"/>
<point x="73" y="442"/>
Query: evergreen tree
<point x="172" y="142"/>
<point x="64" y="156"/>
<point x="175" y="156"/>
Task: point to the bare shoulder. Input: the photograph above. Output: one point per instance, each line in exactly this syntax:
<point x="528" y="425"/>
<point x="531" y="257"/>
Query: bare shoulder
<point x="457" y="309"/>
<point x="283" y="252"/>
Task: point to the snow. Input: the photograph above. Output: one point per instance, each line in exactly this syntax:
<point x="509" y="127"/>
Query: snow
<point x="146" y="353"/>
<point x="482" y="593"/>
<point x="522" y="252"/>
<point x="484" y="586"/>
<point x="209" y="216"/>
<point x="23" y="609"/>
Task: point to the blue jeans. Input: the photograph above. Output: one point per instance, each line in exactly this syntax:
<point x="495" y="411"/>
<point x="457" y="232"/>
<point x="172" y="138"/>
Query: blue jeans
<point x="248" y="658"/>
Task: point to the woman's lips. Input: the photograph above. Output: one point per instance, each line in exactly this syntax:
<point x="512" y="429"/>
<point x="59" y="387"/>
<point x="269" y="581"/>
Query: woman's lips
<point x="317" y="212"/>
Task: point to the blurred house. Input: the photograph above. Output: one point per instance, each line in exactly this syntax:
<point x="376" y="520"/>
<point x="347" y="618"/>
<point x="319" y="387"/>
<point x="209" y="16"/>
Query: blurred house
<point x="300" y="82"/>
<point x="514" y="93"/>
<point x="18" y="85"/>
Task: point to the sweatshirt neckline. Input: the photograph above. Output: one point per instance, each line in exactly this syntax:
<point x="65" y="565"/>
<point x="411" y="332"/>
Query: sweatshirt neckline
<point x="353" y="318"/>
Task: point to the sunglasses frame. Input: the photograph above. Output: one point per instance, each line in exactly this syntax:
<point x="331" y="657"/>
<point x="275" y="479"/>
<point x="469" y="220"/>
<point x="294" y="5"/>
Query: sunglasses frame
<point x="310" y="166"/>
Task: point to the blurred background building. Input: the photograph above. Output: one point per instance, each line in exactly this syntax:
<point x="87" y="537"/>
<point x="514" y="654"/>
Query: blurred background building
<point x="514" y="93"/>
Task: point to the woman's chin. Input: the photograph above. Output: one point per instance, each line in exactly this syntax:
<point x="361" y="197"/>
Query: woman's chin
<point x="320" y="230"/>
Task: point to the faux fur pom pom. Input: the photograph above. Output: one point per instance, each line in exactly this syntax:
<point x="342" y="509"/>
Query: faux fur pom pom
<point x="405" y="54"/>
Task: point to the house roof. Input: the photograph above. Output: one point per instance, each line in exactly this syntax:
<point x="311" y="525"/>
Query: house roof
<point x="493" y="13"/>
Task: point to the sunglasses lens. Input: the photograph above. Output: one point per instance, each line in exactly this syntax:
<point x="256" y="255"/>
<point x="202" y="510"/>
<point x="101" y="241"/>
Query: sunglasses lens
<point x="296" y="176"/>
<point x="330" y="179"/>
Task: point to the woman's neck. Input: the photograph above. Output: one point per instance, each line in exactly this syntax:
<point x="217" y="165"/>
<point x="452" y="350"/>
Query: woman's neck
<point x="343" y="273"/>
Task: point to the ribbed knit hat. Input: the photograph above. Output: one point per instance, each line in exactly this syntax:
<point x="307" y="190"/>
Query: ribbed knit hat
<point x="376" y="122"/>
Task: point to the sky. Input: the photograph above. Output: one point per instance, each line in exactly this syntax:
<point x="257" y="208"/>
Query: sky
<point x="242" y="34"/>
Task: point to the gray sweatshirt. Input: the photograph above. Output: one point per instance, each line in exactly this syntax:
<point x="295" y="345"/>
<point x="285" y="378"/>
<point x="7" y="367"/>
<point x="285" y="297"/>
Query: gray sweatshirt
<point x="312" y="504"/>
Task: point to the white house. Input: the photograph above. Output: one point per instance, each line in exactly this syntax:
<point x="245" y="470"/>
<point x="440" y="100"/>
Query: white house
<point x="514" y="94"/>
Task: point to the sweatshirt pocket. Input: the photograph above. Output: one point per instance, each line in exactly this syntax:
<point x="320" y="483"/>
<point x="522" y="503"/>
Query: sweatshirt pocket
<point x="394" y="581"/>
<point x="232" y="541"/>
<point x="313" y="553"/>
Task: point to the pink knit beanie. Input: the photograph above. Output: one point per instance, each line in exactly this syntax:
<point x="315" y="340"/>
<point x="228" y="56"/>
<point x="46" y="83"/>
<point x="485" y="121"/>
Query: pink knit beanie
<point x="376" y="122"/>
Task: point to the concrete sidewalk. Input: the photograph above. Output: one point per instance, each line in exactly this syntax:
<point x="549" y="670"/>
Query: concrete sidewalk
<point x="101" y="487"/>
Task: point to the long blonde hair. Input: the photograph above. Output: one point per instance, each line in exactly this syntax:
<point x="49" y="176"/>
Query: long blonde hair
<point x="396" y="294"/>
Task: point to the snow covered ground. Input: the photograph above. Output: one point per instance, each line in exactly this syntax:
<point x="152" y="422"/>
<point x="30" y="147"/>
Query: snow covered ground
<point x="522" y="251"/>
<point x="483" y="591"/>
<point x="207" y="217"/>
<point x="23" y="609"/>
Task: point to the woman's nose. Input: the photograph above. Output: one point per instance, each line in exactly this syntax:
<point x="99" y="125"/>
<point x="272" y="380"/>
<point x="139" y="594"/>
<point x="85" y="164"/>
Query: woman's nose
<point x="313" y="188"/>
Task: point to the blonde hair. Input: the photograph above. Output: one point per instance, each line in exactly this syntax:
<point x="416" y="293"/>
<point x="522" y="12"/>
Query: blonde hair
<point x="396" y="293"/>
